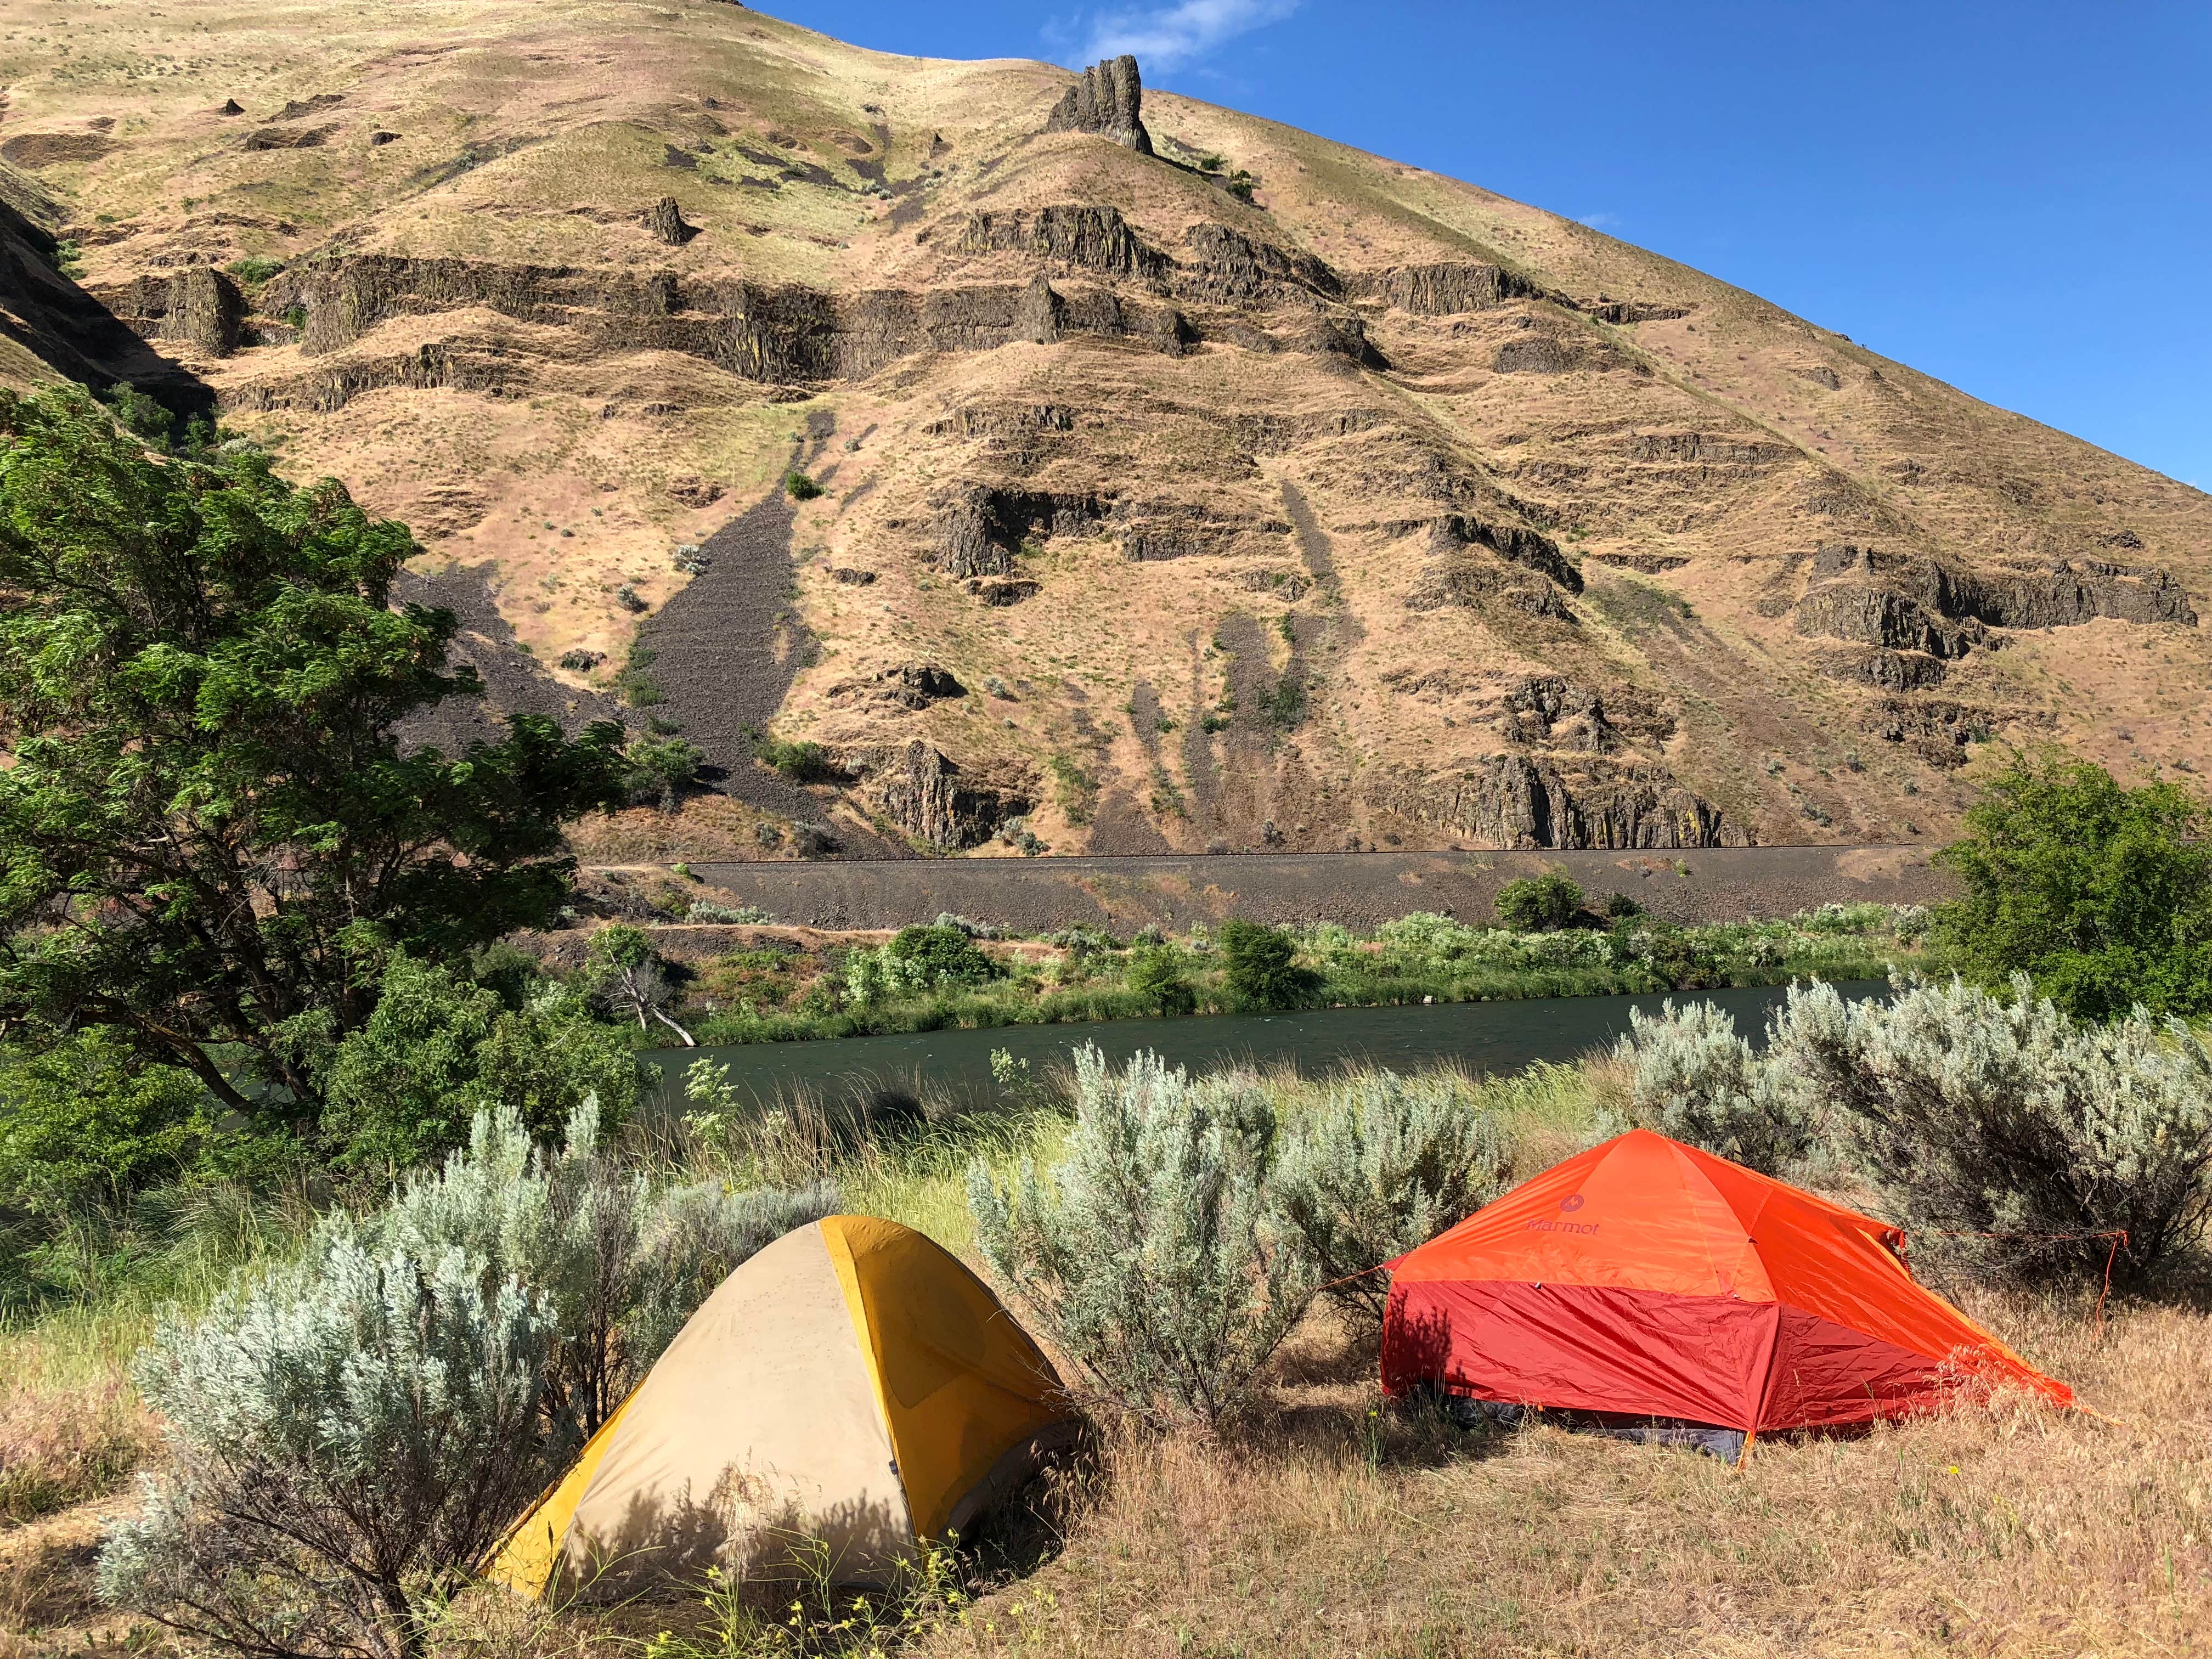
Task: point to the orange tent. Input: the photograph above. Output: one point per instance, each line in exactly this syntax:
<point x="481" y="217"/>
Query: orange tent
<point x="1648" y="1278"/>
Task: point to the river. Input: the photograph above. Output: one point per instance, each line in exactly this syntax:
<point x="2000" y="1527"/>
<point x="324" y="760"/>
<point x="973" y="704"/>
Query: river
<point x="1484" y="1037"/>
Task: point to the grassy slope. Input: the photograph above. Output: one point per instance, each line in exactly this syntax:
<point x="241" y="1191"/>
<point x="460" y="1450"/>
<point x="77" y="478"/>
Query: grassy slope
<point x="537" y="134"/>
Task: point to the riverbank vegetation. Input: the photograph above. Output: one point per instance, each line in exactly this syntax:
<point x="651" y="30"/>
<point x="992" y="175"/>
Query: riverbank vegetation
<point x="951" y="974"/>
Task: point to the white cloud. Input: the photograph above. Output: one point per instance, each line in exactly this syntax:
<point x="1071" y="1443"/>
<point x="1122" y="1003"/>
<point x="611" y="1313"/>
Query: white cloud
<point x="1172" y="36"/>
<point x="1600" y="221"/>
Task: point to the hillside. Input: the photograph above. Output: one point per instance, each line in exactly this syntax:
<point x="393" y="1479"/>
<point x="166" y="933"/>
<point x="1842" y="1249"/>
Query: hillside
<point x="1372" y="510"/>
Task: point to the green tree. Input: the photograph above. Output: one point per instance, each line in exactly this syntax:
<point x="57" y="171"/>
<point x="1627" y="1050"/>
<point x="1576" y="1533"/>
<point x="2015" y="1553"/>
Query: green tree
<point x="1538" y="904"/>
<point x="1156" y="974"/>
<point x="1260" y="966"/>
<point x="211" y="833"/>
<point x="439" y="1049"/>
<point x="945" y="955"/>
<point x="88" y="1123"/>
<point x="2101" y="895"/>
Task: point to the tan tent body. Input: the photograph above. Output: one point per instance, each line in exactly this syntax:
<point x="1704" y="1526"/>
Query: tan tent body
<point x="851" y="1383"/>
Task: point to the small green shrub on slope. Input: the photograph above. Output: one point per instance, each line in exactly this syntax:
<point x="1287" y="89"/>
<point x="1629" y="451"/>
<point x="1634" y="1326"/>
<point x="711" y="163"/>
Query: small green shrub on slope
<point x="1157" y="979"/>
<point x="1259" y="966"/>
<point x="1538" y="904"/>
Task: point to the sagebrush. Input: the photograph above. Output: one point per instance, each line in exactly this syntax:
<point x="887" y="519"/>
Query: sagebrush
<point x="1151" y="1254"/>
<point x="1385" y="1165"/>
<point x="1975" y="1115"/>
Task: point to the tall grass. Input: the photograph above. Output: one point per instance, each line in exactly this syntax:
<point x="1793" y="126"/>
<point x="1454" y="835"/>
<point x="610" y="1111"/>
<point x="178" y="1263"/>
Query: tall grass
<point x="71" y="1426"/>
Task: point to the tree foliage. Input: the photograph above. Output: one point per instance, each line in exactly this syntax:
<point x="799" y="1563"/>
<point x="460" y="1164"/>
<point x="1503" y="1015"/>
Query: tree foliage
<point x="663" y="767"/>
<point x="1538" y="904"/>
<point x="87" y="1124"/>
<point x="2101" y="895"/>
<point x="1259" y="964"/>
<point x="1157" y="977"/>
<point x="945" y="955"/>
<point x="441" y="1047"/>
<point x="211" y="831"/>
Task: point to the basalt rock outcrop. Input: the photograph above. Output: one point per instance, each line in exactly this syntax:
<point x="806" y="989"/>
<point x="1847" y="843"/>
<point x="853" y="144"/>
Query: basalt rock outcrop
<point x="1076" y="235"/>
<point x="1521" y="801"/>
<point x="1515" y="543"/>
<point x="1551" y="711"/>
<point x="194" y="305"/>
<point x="1890" y="671"/>
<point x="780" y="334"/>
<point x="664" y="219"/>
<point x="1905" y="602"/>
<point x="929" y="796"/>
<point x="1937" y="729"/>
<point x="913" y="685"/>
<point x="1225" y="266"/>
<point x="979" y="529"/>
<point x="1882" y="617"/>
<point x="1443" y="289"/>
<point x="1709" y="449"/>
<point x="1152" y="530"/>
<point x="1470" y="582"/>
<point x="1107" y="101"/>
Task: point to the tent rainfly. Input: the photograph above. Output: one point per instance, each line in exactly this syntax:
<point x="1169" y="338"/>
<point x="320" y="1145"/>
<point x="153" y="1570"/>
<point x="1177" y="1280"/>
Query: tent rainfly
<point x="1645" y="1281"/>
<point x="852" y="1382"/>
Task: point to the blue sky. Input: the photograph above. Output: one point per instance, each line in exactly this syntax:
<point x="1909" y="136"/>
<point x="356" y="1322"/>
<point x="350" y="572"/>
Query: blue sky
<point x="2016" y="198"/>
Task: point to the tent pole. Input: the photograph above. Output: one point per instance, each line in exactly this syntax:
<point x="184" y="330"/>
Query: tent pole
<point x="1743" y="1457"/>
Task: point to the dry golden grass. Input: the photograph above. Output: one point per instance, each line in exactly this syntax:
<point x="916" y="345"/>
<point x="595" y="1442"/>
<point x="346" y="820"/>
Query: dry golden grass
<point x="59" y="1449"/>
<point x="1334" y="1524"/>
<point x="2013" y="1530"/>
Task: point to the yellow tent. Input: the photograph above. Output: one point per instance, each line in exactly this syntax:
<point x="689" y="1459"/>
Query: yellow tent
<point x="852" y="1382"/>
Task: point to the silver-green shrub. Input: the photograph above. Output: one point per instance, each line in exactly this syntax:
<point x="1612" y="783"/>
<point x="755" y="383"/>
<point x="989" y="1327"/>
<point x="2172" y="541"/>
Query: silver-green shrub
<point x="1386" y="1163"/>
<point x="349" y="1432"/>
<point x="345" y="1435"/>
<point x="1698" y="1082"/>
<point x="1152" y="1253"/>
<point x="618" y="1261"/>
<point x="1976" y="1115"/>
